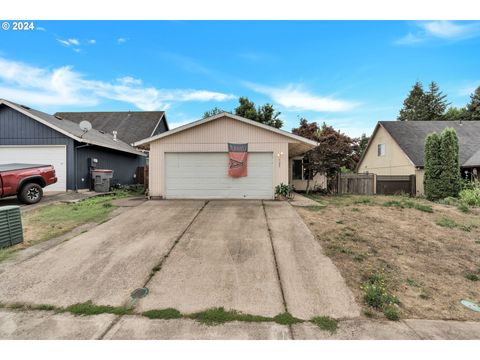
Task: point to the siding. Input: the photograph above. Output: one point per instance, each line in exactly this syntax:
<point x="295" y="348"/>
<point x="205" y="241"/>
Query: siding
<point x="394" y="162"/>
<point x="18" y="129"/>
<point x="123" y="165"/>
<point x="213" y="137"/>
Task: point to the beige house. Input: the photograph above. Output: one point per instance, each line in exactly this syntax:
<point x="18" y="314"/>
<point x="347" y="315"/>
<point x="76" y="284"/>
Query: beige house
<point x="191" y="161"/>
<point x="398" y="147"/>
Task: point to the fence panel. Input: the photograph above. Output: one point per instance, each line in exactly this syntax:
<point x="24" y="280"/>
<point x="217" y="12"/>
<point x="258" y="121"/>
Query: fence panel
<point x="396" y="184"/>
<point x="363" y="184"/>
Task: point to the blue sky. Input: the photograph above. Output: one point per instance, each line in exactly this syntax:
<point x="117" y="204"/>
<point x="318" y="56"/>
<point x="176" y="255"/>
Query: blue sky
<point x="349" y="74"/>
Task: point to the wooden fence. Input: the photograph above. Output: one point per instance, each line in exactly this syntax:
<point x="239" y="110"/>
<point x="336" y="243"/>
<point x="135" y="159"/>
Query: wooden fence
<point x="370" y="184"/>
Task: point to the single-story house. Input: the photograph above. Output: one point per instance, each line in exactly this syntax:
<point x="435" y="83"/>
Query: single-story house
<point x="398" y="148"/>
<point x="191" y="161"/>
<point x="31" y="136"/>
<point x="130" y="126"/>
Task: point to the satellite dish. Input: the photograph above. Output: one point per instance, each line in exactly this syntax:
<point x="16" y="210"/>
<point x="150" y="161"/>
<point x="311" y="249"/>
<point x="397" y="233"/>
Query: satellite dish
<point x="85" y="126"/>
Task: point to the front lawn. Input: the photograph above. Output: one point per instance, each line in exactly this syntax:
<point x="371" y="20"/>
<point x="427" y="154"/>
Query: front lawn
<point x="425" y="256"/>
<point x="53" y="220"/>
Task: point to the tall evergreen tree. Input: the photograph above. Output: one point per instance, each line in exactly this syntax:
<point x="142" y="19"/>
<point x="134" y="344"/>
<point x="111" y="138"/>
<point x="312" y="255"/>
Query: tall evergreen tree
<point x="415" y="105"/>
<point x="246" y="109"/>
<point x="436" y="102"/>
<point x="455" y="114"/>
<point x="449" y="157"/>
<point x="214" y="111"/>
<point x="267" y="115"/>
<point x="473" y="107"/>
<point x="433" y="168"/>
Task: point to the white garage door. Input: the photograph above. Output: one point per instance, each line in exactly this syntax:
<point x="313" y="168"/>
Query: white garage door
<point x="204" y="176"/>
<point x="42" y="155"/>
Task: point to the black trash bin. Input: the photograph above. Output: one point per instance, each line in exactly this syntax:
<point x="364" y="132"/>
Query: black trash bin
<point x="101" y="179"/>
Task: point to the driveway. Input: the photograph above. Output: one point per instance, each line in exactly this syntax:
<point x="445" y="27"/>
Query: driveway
<point x="252" y="256"/>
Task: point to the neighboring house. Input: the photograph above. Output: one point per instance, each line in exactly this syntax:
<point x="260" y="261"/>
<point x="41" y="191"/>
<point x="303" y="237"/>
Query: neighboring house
<point x="130" y="126"/>
<point x="191" y="161"/>
<point x="398" y="148"/>
<point x="31" y="136"/>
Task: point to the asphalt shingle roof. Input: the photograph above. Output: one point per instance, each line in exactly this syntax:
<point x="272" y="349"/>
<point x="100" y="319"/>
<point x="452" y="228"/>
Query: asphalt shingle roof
<point x="131" y="126"/>
<point x="93" y="136"/>
<point x="410" y="136"/>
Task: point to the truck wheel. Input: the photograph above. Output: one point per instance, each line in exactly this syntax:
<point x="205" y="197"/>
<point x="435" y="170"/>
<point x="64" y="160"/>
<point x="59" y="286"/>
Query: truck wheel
<point x="31" y="193"/>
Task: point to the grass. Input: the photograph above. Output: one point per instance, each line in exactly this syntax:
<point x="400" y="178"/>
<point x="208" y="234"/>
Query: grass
<point x="88" y="308"/>
<point x="409" y="204"/>
<point x="166" y="314"/>
<point x="286" y="319"/>
<point x="452" y="224"/>
<point x="219" y="315"/>
<point x="391" y="313"/>
<point x="6" y="253"/>
<point x="377" y="295"/>
<point x="471" y="276"/>
<point x="325" y="323"/>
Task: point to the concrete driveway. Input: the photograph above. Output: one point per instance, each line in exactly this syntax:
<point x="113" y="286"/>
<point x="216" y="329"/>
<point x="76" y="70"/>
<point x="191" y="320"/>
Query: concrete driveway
<point x="252" y="256"/>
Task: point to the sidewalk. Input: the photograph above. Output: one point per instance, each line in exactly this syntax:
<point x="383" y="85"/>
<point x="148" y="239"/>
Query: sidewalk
<point x="49" y="325"/>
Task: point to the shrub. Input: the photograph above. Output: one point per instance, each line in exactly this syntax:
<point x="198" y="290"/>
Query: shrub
<point x="282" y="189"/>
<point x="470" y="197"/>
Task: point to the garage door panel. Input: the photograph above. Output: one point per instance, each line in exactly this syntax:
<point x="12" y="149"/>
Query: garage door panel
<point x="42" y="155"/>
<point x="205" y="175"/>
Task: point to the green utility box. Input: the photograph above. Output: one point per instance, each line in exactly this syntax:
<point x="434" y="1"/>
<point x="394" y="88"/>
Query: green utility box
<point x="11" y="232"/>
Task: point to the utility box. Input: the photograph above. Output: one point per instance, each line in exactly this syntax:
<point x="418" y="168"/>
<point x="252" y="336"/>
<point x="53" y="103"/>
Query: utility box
<point x="101" y="179"/>
<point x="11" y="231"/>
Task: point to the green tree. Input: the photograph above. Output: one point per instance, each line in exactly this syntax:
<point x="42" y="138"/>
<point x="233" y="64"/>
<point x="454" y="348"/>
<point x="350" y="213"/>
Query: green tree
<point x="455" y="114"/>
<point x="433" y="167"/>
<point x="212" y="112"/>
<point x="415" y="105"/>
<point x="362" y="143"/>
<point x="436" y="103"/>
<point x="473" y="107"/>
<point x="267" y="115"/>
<point x="449" y="156"/>
<point x="246" y="109"/>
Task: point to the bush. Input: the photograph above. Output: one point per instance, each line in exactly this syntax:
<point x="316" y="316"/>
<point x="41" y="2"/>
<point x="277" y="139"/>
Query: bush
<point x="470" y="197"/>
<point x="282" y="190"/>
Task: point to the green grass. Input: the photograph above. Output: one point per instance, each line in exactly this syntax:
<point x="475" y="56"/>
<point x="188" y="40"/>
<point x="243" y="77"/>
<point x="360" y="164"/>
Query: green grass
<point x="286" y="319"/>
<point x="6" y="253"/>
<point x="391" y="313"/>
<point x="168" y="313"/>
<point x="452" y="224"/>
<point x="325" y="323"/>
<point x="471" y="276"/>
<point x="316" y="207"/>
<point x="88" y="308"/>
<point x="409" y="204"/>
<point x="219" y="315"/>
<point x="377" y="295"/>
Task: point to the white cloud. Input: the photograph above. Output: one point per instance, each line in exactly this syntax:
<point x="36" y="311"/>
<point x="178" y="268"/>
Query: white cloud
<point x="441" y="29"/>
<point x="74" y="42"/>
<point x="69" y="42"/>
<point x="121" y="40"/>
<point x="39" y="28"/>
<point x="92" y="41"/>
<point x="296" y="98"/>
<point x="64" y="86"/>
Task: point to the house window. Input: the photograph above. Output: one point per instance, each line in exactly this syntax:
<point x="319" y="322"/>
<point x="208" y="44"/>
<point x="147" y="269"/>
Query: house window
<point x="381" y="150"/>
<point x="300" y="171"/>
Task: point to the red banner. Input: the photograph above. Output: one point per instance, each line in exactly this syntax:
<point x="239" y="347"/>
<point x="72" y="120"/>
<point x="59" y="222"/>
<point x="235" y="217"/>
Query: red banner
<point x="237" y="164"/>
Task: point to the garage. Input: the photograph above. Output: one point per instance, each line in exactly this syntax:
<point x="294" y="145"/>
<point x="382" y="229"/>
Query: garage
<point x="205" y="176"/>
<point x="55" y="155"/>
<point x="224" y="156"/>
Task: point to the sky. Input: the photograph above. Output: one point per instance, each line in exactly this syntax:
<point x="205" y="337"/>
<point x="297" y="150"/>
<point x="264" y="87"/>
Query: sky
<point x="349" y="74"/>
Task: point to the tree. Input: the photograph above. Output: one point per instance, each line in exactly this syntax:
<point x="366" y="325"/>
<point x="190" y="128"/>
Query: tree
<point x="433" y="168"/>
<point x="246" y="109"/>
<point x="456" y="114"/>
<point x="335" y="150"/>
<point x="362" y="143"/>
<point x="265" y="114"/>
<point x="212" y="112"/>
<point x="449" y="153"/>
<point x="436" y="103"/>
<point x="415" y="105"/>
<point x="307" y="130"/>
<point x="473" y="107"/>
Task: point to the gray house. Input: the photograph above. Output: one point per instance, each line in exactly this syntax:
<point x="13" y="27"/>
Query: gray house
<point x="31" y="136"/>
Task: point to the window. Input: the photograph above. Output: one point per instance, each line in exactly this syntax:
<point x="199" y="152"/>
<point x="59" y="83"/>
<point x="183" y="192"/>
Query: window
<point x="300" y="171"/>
<point x="381" y="150"/>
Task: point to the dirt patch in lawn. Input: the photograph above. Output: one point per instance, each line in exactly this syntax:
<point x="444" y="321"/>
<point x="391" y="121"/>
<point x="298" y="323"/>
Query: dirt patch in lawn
<point x="429" y="253"/>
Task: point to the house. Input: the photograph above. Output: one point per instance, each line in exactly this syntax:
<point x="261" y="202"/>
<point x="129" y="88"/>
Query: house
<point x="398" y="148"/>
<point x="191" y="161"/>
<point x="31" y="136"/>
<point x="130" y="126"/>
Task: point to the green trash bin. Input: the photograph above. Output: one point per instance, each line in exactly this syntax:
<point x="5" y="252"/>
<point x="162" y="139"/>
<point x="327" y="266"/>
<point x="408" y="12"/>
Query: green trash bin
<point x="11" y="231"/>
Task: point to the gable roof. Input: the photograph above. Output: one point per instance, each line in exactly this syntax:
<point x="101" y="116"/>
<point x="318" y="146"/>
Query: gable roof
<point x="411" y="135"/>
<point x="231" y="116"/>
<point x="131" y="126"/>
<point x="72" y="130"/>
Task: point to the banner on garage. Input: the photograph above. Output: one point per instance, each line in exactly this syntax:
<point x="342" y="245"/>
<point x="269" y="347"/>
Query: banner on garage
<point x="237" y="164"/>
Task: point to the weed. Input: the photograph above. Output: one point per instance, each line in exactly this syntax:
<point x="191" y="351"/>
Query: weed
<point x="88" y="308"/>
<point x="424" y="296"/>
<point x="447" y="222"/>
<point x="477" y="241"/>
<point x="6" y="253"/>
<point x="318" y="207"/>
<point x="286" y="319"/>
<point x="168" y="313"/>
<point x="471" y="276"/>
<point x="359" y="257"/>
<point x="365" y="201"/>
<point x="325" y="323"/>
<point x="156" y="268"/>
<point x="391" y="313"/>
<point x="220" y="315"/>
<point x="339" y="221"/>
<point x="463" y="207"/>
<point x="412" y="282"/>
<point x="355" y="209"/>
<point x="368" y="313"/>
<point x="375" y="293"/>
<point x="409" y="204"/>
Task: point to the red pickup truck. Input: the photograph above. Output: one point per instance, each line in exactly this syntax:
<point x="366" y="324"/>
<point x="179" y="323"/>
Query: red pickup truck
<point x="26" y="181"/>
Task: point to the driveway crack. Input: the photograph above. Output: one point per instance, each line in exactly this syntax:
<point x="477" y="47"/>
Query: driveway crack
<point x="279" y="278"/>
